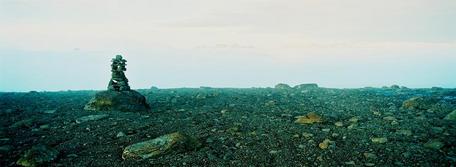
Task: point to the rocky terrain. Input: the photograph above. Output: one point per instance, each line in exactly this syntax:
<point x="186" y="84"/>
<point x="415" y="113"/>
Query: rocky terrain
<point x="283" y="126"/>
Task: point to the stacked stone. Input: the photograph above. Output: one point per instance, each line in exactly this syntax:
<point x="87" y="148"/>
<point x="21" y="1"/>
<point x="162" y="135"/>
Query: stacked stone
<point x="119" y="81"/>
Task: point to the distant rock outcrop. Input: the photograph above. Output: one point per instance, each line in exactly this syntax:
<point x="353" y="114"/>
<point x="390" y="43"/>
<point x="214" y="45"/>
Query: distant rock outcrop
<point x="306" y="86"/>
<point x="118" y="97"/>
<point x="282" y="86"/>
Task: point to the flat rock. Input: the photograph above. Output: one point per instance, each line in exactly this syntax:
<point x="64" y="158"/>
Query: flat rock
<point x="174" y="142"/>
<point x="49" y="111"/>
<point x="127" y="101"/>
<point x="25" y="123"/>
<point x="379" y="140"/>
<point x="39" y="155"/>
<point x="310" y="118"/>
<point x="434" y="144"/>
<point x="91" y="118"/>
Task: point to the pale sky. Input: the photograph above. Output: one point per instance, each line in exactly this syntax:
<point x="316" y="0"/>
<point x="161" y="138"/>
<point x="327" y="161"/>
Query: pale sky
<point x="67" y="45"/>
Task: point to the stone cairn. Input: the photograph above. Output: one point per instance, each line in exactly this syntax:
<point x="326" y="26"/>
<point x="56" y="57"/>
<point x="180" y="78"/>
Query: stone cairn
<point x="118" y="80"/>
<point x="119" y="96"/>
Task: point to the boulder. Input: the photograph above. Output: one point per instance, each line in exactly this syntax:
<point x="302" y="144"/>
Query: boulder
<point x="419" y="103"/>
<point x="127" y="101"/>
<point x="174" y="142"/>
<point x="310" y="118"/>
<point x="39" y="155"/>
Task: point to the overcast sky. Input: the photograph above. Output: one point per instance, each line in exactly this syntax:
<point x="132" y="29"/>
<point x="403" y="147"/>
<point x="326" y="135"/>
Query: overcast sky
<point x="62" y="45"/>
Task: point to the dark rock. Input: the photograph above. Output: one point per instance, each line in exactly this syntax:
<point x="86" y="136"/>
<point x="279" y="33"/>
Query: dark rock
<point x="38" y="155"/>
<point x="128" y="101"/>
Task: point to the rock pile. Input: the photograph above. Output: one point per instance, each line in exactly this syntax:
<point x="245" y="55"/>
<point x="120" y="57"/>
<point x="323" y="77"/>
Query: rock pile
<point x="119" y="96"/>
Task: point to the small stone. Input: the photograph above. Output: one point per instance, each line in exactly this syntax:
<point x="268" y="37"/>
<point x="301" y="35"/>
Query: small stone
<point x="301" y="146"/>
<point x="46" y="126"/>
<point x="324" y="144"/>
<point x="272" y="152"/>
<point x="339" y="124"/>
<point x="434" y="144"/>
<point x="379" y="140"/>
<point x="404" y="132"/>
<point x="307" y="135"/>
<point x="350" y="163"/>
<point x="296" y="136"/>
<point x="351" y="126"/>
<point x="354" y="119"/>
<point x="370" y="155"/>
<point x="394" y="123"/>
<point x="389" y="118"/>
<point x="326" y="130"/>
<point x="377" y="113"/>
<point x="91" y="118"/>
<point x="120" y="134"/>
<point x="369" y="164"/>
<point x="49" y="111"/>
<point x="72" y="156"/>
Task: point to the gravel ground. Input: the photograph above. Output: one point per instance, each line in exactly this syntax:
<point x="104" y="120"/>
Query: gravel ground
<point x="240" y="127"/>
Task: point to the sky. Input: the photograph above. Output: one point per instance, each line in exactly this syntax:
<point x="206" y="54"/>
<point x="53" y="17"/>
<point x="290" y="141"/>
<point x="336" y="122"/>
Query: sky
<point x="51" y="45"/>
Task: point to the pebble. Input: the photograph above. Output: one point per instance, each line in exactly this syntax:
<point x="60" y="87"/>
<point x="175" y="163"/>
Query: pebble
<point x="369" y="164"/>
<point x="49" y="111"/>
<point x="370" y="155"/>
<point x="120" y="134"/>
<point x="354" y="119"/>
<point x="326" y="130"/>
<point x="389" y="118"/>
<point x="307" y="135"/>
<point x="350" y="163"/>
<point x="404" y="132"/>
<point x="339" y="124"/>
<point x="91" y="118"/>
<point x="273" y="152"/>
<point x="324" y="144"/>
<point x="379" y="140"/>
